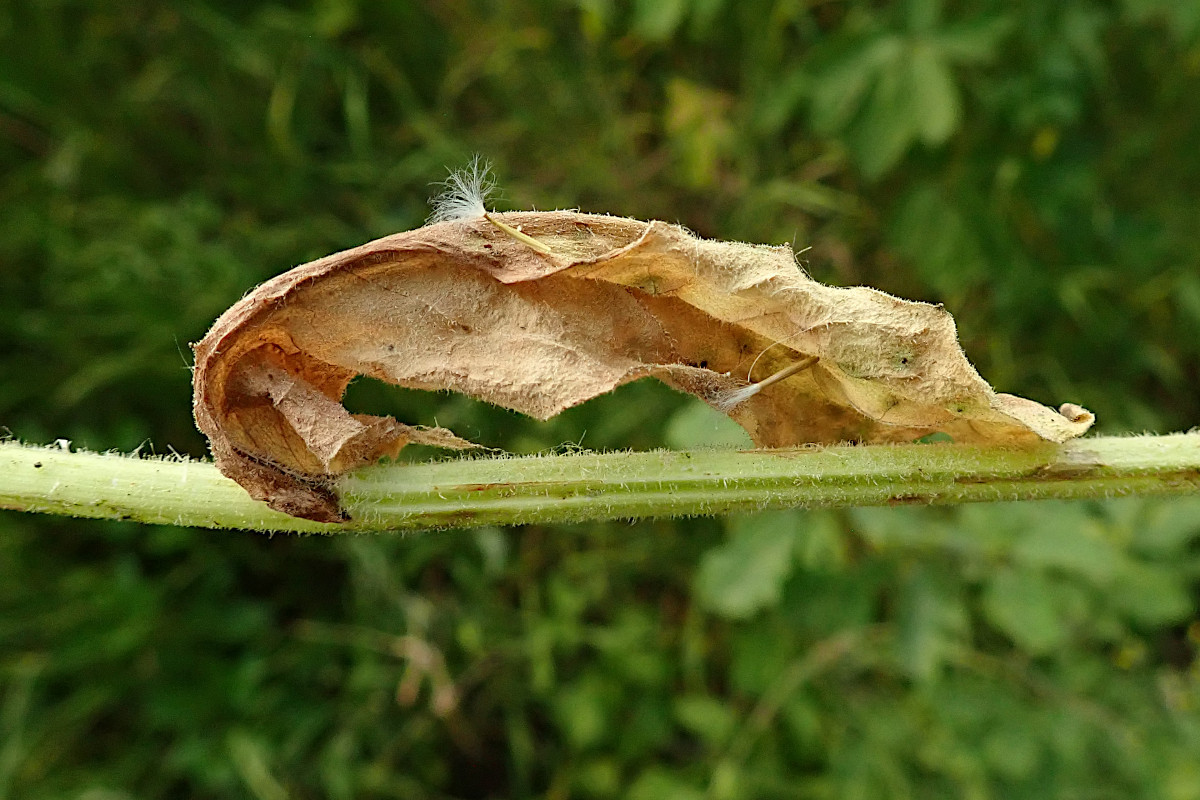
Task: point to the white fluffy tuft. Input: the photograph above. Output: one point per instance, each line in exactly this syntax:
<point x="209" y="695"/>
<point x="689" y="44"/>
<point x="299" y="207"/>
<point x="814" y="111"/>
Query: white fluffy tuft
<point x="731" y="399"/>
<point x="465" y="193"/>
<point x="727" y="401"/>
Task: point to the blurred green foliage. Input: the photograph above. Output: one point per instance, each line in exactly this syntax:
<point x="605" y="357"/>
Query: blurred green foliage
<point x="1034" y="166"/>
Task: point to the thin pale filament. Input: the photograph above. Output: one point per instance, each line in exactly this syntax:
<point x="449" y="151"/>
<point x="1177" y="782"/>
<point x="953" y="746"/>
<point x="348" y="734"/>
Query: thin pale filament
<point x="524" y="238"/>
<point x="736" y="397"/>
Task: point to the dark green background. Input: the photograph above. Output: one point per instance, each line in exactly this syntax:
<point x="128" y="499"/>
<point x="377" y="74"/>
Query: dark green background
<point x="1033" y="165"/>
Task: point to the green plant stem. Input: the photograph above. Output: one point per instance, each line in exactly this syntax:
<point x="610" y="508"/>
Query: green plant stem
<point x="591" y="486"/>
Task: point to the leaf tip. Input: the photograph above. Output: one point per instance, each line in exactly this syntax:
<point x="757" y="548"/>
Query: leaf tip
<point x="1077" y="414"/>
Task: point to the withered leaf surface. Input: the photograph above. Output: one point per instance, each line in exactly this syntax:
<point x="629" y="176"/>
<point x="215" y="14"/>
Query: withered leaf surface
<point x="465" y="306"/>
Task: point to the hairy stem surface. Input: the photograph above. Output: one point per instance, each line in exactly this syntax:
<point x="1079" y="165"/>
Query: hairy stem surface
<point x="592" y="486"/>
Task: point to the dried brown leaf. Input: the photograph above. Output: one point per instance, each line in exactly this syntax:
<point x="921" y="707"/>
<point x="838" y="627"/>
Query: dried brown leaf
<point x="469" y="306"/>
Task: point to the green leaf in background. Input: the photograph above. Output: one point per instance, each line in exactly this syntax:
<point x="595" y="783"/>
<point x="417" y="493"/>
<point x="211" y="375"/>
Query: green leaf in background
<point x="698" y="425"/>
<point x="936" y="106"/>
<point x="824" y="545"/>
<point x="746" y="574"/>
<point x="914" y="97"/>
<point x="938" y="238"/>
<point x="973" y="41"/>
<point x="1065" y="538"/>
<point x="889" y="121"/>
<point x="657" y="20"/>
<point x="842" y="87"/>
<point x="708" y="718"/>
<point x="932" y="621"/>
<point x="1164" y="531"/>
<point x="1151" y="595"/>
<point x="1026" y="606"/>
<point x="1181" y="16"/>
<point x="697" y="119"/>
<point x="1012" y="752"/>
<point x="921" y="16"/>
<point x="657" y="783"/>
<point x="890" y="92"/>
<point x="584" y="710"/>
